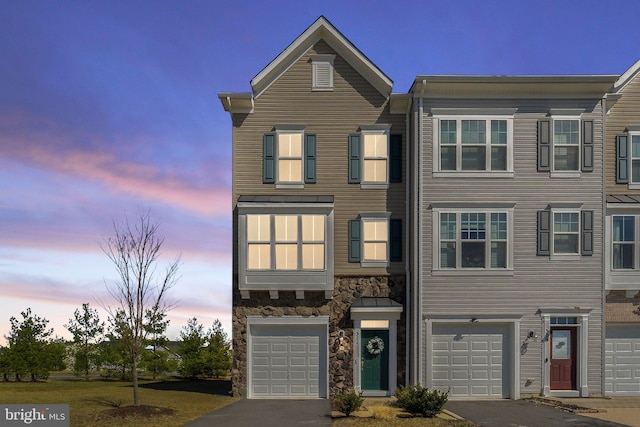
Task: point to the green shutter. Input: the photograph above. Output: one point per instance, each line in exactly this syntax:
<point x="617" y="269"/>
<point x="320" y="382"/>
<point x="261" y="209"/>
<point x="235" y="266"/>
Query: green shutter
<point x="544" y="145"/>
<point x="310" y="159"/>
<point x="544" y="233"/>
<point x="354" y="159"/>
<point x="587" y="146"/>
<point x="622" y="159"/>
<point x="587" y="233"/>
<point x="395" y="239"/>
<point x="354" y="240"/>
<point x="395" y="158"/>
<point x="268" y="158"/>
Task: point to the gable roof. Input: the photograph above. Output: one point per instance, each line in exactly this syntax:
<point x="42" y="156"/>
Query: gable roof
<point x="321" y="29"/>
<point x="626" y="77"/>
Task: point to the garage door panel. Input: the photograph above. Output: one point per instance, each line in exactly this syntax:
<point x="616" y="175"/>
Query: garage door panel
<point x="622" y="360"/>
<point x="286" y="361"/>
<point x="468" y="359"/>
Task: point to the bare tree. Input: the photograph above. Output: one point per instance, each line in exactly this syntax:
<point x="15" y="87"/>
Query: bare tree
<point x="141" y="292"/>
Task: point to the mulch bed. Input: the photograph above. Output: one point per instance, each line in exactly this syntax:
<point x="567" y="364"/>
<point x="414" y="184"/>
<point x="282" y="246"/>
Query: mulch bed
<point x="143" y="411"/>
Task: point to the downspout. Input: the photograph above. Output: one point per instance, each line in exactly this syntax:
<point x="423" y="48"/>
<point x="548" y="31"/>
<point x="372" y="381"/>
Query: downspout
<point x="418" y="227"/>
<point x="603" y="299"/>
<point x="407" y="264"/>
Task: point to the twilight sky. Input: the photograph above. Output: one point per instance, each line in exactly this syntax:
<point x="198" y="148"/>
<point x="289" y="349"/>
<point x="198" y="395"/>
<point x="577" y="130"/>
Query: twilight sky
<point x="110" y="107"/>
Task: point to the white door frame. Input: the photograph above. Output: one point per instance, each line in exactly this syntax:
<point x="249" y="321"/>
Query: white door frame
<point x="389" y="314"/>
<point x="323" y="386"/>
<point x="582" y="331"/>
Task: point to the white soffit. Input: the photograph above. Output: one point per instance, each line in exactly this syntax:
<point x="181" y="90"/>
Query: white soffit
<point x="321" y="29"/>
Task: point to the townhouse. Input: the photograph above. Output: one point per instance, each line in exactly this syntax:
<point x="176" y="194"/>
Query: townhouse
<point x="509" y="201"/>
<point x="455" y="236"/>
<point x="319" y="224"/>
<point x="622" y="265"/>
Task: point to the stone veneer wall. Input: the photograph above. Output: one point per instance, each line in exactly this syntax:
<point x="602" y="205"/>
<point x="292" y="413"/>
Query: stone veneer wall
<point x="347" y="290"/>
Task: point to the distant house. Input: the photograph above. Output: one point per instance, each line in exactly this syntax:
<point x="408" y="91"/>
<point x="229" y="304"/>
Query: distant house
<point x="477" y="233"/>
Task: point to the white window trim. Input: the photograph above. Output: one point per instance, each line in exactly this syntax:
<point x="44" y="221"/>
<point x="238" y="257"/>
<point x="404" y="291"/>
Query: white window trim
<point x="439" y="271"/>
<point x="315" y="61"/>
<point x="289" y="184"/>
<point x="374" y="130"/>
<point x="630" y="134"/>
<point x="374" y="216"/>
<point x="563" y="256"/>
<point x="508" y="173"/>
<point x="572" y="173"/>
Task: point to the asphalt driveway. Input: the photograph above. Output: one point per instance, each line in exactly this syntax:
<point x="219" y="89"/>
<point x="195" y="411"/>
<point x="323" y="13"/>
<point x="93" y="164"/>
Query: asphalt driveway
<point x="269" y="413"/>
<point x="520" y="413"/>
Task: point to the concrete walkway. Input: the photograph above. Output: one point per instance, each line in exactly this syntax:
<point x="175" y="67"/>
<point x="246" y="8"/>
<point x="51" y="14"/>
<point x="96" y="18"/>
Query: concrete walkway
<point x="521" y="413"/>
<point x="622" y="410"/>
<point x="269" y="413"/>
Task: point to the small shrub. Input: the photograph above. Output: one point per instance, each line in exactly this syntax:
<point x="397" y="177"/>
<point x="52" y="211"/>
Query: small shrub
<point x="421" y="400"/>
<point x="348" y="402"/>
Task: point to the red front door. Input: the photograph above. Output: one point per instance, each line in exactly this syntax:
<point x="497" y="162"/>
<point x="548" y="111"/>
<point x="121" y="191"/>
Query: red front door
<point x="563" y="359"/>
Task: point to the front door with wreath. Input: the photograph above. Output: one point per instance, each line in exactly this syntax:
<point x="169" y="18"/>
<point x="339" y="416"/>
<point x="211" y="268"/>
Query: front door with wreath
<point x="375" y="359"/>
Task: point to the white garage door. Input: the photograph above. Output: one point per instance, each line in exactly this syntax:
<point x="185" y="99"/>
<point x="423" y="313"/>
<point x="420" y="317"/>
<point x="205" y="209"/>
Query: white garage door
<point x="471" y="360"/>
<point x="287" y="361"/>
<point x="622" y="360"/>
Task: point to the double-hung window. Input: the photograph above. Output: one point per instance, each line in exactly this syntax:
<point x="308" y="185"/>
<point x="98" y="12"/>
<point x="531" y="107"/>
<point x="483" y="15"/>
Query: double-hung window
<point x="375" y="239"/>
<point x="473" y="239"/>
<point x="565" y="231"/>
<point x="375" y="157"/>
<point x="289" y="157"/>
<point x="565" y="145"/>
<point x="624" y="242"/>
<point x="628" y="157"/>
<point x="482" y="144"/>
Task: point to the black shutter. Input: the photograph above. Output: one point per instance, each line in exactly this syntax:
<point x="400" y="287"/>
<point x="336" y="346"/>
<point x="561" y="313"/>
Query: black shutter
<point x="622" y="160"/>
<point x="395" y="158"/>
<point x="544" y="233"/>
<point x="268" y="158"/>
<point x="587" y="233"/>
<point x="587" y="146"/>
<point x="354" y="240"/>
<point x="395" y="238"/>
<point x="354" y="159"/>
<point x="544" y="145"/>
<point x="310" y="159"/>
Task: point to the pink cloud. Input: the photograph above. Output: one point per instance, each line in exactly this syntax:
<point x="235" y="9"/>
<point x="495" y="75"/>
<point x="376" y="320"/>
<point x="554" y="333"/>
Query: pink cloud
<point x="44" y="144"/>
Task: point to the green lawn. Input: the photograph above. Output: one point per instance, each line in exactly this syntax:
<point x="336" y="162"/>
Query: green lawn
<point x="88" y="400"/>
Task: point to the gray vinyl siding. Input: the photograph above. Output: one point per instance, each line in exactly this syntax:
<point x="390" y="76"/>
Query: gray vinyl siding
<point x="537" y="281"/>
<point x="332" y="116"/>
<point x="626" y="112"/>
